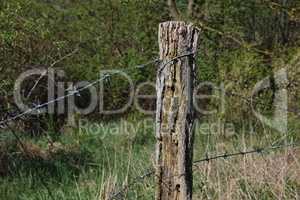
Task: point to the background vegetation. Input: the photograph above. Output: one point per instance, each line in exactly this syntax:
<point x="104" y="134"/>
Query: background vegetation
<point x="241" y="43"/>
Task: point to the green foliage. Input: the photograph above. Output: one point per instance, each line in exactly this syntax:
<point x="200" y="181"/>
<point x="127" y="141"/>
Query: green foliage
<point x="241" y="43"/>
<point x="120" y="34"/>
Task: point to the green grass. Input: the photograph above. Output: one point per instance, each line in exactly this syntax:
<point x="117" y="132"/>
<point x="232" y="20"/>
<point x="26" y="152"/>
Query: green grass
<point x="91" y="163"/>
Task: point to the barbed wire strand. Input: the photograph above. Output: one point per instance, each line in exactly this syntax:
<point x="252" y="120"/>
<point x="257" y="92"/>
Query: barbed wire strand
<point x="151" y="172"/>
<point x="243" y="153"/>
<point x="156" y="60"/>
<point x="77" y="91"/>
<point x="38" y="107"/>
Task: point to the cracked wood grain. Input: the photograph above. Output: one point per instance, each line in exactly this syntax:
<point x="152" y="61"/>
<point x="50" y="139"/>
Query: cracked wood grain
<point x="175" y="115"/>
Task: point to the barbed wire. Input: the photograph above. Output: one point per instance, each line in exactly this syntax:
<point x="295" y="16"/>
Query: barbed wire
<point x="150" y="171"/>
<point x="175" y="58"/>
<point x="39" y="106"/>
<point x="207" y="158"/>
<point x="243" y="153"/>
<point x="77" y="91"/>
<point x="107" y="76"/>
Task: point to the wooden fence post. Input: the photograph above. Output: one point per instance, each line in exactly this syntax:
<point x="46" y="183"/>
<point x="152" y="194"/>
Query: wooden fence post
<point x="174" y="114"/>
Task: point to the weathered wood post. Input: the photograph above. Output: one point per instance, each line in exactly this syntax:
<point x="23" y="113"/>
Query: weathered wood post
<point x="174" y="114"/>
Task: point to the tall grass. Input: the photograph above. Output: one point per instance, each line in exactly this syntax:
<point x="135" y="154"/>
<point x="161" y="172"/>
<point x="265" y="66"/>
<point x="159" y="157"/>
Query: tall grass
<point x="90" y="163"/>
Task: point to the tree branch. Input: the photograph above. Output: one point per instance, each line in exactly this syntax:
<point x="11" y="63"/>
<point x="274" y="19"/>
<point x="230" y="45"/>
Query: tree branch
<point x="239" y="41"/>
<point x="190" y="8"/>
<point x="173" y="9"/>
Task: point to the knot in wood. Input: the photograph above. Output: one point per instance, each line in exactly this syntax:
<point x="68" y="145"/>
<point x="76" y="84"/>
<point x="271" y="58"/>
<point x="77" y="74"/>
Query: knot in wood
<point x="182" y="31"/>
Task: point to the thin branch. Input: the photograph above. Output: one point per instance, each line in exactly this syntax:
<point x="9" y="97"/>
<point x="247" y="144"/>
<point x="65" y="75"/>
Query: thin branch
<point x="173" y="9"/>
<point x="190" y="8"/>
<point x="44" y="74"/>
<point x="241" y="42"/>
